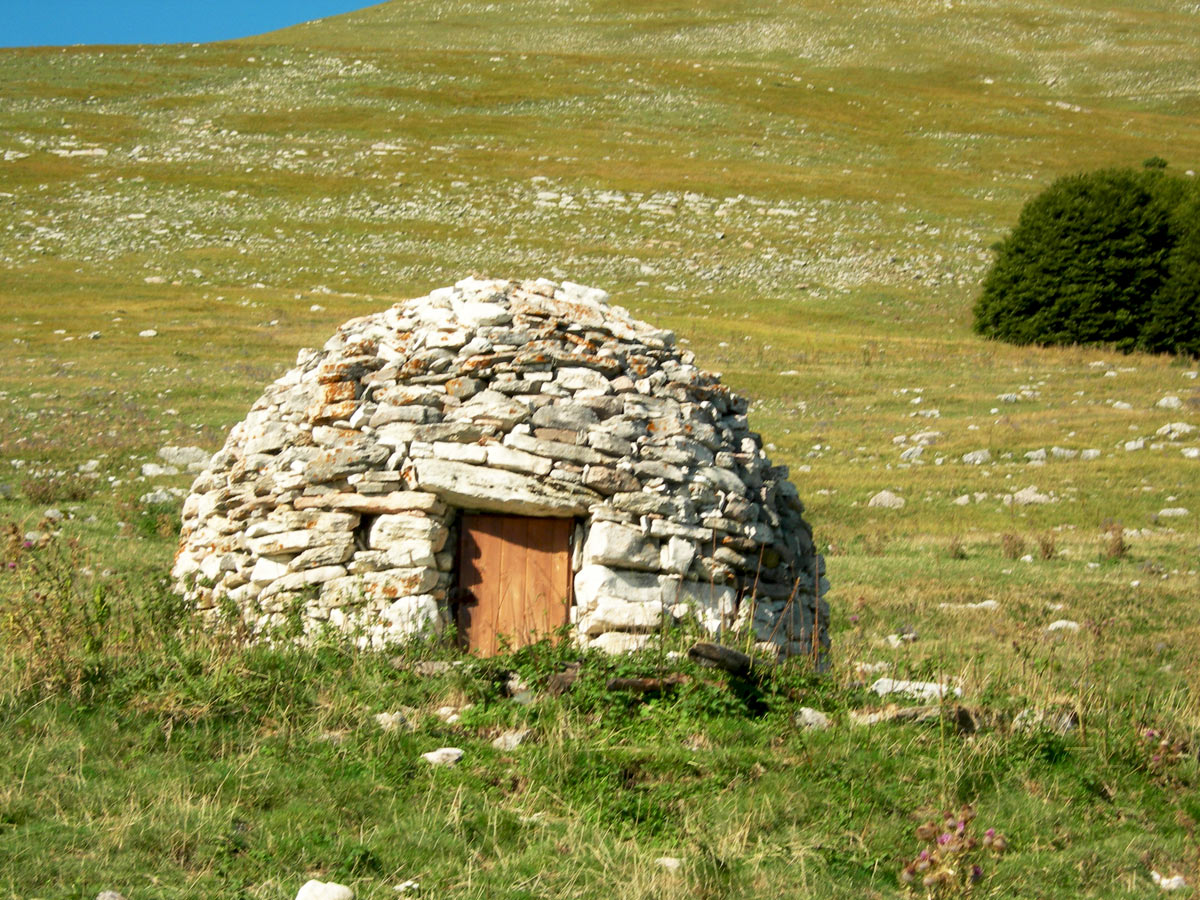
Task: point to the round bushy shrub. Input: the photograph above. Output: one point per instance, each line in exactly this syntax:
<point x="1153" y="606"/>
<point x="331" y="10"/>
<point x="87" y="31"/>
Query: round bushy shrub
<point x="1099" y="258"/>
<point x="1173" y="324"/>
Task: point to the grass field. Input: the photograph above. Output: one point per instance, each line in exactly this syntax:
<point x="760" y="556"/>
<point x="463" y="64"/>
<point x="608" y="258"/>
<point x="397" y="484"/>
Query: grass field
<point x="806" y="192"/>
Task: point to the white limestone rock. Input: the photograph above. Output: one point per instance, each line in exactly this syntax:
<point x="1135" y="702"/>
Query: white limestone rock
<point x="616" y="642"/>
<point x="613" y="544"/>
<point x="886" y="500"/>
<point x="919" y="690"/>
<point x="810" y="719"/>
<point x="324" y="890"/>
<point x="443" y="756"/>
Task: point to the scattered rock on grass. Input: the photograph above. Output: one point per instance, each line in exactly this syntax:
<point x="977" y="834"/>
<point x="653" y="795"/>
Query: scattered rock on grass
<point x="443" y="756"/>
<point x="810" y="719"/>
<point x="922" y="690"/>
<point x="1027" y="497"/>
<point x="965" y="721"/>
<point x="1172" y="512"/>
<point x="1173" y="883"/>
<point x="324" y="890"/>
<point x="391" y="721"/>
<point x="670" y="863"/>
<point x="163" y="495"/>
<point x="982" y="604"/>
<point x="451" y="714"/>
<point x="1063" y="625"/>
<point x="194" y="459"/>
<point x="511" y="739"/>
<point x="1173" y="431"/>
<point x="1059" y="720"/>
<point x="886" y="500"/>
<point x="115" y="895"/>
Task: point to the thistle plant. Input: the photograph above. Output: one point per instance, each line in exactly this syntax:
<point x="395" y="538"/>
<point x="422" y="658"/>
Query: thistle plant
<point x="950" y="864"/>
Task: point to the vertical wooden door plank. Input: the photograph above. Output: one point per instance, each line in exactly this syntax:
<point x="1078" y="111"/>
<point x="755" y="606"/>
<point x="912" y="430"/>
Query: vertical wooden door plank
<point x="517" y="570"/>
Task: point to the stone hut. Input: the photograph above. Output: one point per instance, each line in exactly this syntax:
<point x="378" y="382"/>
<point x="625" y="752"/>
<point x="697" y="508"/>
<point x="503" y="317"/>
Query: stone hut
<point x="510" y="458"/>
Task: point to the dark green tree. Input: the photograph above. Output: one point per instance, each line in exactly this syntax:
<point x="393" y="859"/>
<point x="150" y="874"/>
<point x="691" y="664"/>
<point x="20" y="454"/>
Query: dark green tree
<point x="1173" y="324"/>
<point x="1085" y="259"/>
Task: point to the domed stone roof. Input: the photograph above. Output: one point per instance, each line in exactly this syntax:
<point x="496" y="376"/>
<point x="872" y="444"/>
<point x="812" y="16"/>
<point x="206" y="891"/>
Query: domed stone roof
<point x="499" y="446"/>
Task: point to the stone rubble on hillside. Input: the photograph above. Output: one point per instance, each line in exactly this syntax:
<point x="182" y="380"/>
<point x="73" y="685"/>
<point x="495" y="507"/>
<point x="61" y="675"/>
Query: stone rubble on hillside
<point x="340" y="491"/>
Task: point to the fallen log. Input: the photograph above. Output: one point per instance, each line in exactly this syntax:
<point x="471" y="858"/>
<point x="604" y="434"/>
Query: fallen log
<point x="648" y="685"/>
<point x="735" y="662"/>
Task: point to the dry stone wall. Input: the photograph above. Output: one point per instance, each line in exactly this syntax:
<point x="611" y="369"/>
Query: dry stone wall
<point x="339" y="494"/>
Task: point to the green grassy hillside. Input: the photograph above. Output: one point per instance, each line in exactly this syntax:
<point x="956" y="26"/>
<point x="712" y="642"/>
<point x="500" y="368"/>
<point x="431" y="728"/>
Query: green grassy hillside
<point x="806" y="192"/>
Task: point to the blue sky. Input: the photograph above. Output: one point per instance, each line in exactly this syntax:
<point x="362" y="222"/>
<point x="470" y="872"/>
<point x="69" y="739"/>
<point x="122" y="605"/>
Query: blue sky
<point x="33" y="23"/>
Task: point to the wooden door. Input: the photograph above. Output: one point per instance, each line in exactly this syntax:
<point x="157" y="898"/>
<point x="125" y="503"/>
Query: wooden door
<point x="514" y="580"/>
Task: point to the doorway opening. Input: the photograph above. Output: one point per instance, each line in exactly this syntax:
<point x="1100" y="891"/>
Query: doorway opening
<point x="514" y="580"/>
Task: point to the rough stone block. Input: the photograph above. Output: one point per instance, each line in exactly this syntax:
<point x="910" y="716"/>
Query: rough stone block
<point x="611" y="544"/>
<point x="377" y="587"/>
<point x="400" y="528"/>
<point x="492" y="490"/>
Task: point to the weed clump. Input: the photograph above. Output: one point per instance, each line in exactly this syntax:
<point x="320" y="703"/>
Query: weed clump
<point x="1047" y="545"/>
<point x="951" y="862"/>
<point x="57" y="489"/>
<point x="1115" y="546"/>
<point x="1012" y="545"/>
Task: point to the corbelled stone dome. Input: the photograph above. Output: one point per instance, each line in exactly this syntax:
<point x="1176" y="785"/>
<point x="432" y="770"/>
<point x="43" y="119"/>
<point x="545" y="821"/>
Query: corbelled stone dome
<point x="511" y="458"/>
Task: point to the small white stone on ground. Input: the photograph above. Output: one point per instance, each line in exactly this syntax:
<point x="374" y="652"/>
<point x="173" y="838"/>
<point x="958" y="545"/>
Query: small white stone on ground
<point x="1173" y="431"/>
<point x="810" y="718"/>
<point x="862" y="668"/>
<point x="921" y="690"/>
<point x="149" y="332"/>
<point x="1027" y="497"/>
<point x="443" y="756"/>
<point x="1059" y="720"/>
<point x="1172" y="512"/>
<point x="194" y="459"/>
<point x="1173" y="883"/>
<point x="1170" y="401"/>
<point x="406" y="886"/>
<point x="1063" y="625"/>
<point x="324" y="890"/>
<point x="163" y="495"/>
<point x="670" y="863"/>
<point x="110" y="895"/>
<point x="977" y="457"/>
<point x="391" y="721"/>
<point x="886" y="500"/>
<point x="982" y="604"/>
<point x="451" y="714"/>
<point x="511" y="739"/>
<point x="1089" y="454"/>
